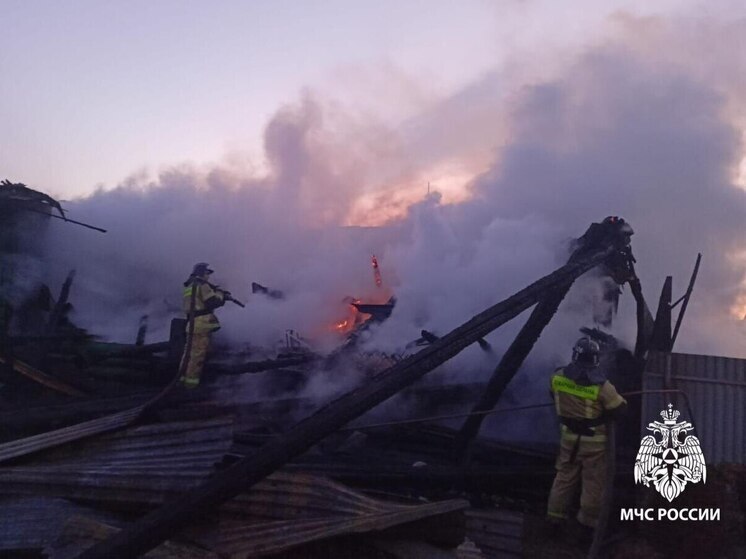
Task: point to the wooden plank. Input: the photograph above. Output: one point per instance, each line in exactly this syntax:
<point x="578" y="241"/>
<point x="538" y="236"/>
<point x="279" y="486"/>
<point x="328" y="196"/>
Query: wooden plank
<point x="42" y="378"/>
<point x="686" y="298"/>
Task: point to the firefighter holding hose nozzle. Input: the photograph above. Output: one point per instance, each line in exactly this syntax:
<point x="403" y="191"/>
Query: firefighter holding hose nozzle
<point x="201" y="299"/>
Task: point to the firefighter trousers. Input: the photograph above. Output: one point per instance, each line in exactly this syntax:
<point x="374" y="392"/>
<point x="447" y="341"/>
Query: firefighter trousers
<point x="589" y="469"/>
<point x="197" y="354"/>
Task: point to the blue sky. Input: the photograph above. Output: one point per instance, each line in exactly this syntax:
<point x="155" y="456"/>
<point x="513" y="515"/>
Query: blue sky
<point x="94" y="91"/>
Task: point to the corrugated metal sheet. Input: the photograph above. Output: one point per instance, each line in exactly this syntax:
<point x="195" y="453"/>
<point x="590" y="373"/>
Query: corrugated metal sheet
<point x="106" y="424"/>
<point x="716" y="388"/>
<point x="29" y="445"/>
<point x="240" y="539"/>
<point x="149" y="464"/>
<point x="144" y="465"/>
<point x="496" y="532"/>
<point x="25" y="419"/>
<point x="80" y="533"/>
<point x="287" y="510"/>
<point x="28" y="523"/>
<point x="285" y="495"/>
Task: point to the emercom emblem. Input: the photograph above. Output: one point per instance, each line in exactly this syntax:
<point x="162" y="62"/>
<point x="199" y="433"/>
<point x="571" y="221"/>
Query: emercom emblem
<point x="672" y="462"/>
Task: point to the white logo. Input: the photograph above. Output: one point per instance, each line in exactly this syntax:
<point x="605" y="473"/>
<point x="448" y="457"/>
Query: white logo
<point x="671" y="463"/>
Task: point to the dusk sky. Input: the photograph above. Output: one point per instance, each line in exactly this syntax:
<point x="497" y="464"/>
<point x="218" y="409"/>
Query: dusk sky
<point x="95" y="91"/>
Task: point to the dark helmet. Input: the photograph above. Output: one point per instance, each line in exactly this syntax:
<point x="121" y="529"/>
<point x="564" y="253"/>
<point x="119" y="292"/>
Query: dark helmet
<point x="586" y="353"/>
<point x="201" y="269"/>
<point x="622" y="226"/>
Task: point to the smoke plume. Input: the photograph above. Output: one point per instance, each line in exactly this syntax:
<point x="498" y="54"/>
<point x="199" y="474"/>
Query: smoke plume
<point x="519" y="165"/>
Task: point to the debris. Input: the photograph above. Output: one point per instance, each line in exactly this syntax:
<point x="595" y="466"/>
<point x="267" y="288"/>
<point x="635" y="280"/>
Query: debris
<point x="80" y="532"/>
<point x="27" y="199"/>
<point x="160" y="524"/>
<point x="142" y="330"/>
<point x="40" y="377"/>
<point x="225" y="470"/>
<point x="271" y="293"/>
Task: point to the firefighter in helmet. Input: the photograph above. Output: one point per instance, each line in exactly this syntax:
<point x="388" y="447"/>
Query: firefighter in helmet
<point x="584" y="401"/>
<point x="201" y="298"/>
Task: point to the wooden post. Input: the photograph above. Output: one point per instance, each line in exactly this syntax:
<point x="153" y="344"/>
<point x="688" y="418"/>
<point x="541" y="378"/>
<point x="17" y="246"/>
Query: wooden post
<point x="661" y="339"/>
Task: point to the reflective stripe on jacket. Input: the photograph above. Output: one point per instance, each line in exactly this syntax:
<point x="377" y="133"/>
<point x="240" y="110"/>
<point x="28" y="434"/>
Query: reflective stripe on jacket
<point x="584" y="404"/>
<point x="204" y="319"/>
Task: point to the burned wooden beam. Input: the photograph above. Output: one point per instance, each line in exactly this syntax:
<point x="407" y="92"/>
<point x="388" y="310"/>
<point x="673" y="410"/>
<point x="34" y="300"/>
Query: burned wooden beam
<point x="685" y="298"/>
<point x="108" y="423"/>
<point x="611" y="231"/>
<point x="134" y="350"/>
<point x="269" y="364"/>
<point x="42" y="378"/>
<point x="644" y="320"/>
<point x="158" y="525"/>
<point x="56" y="316"/>
<point x="378" y="312"/>
<point x="429" y="337"/>
<point x="61" y="305"/>
<point x="661" y="338"/>
<point x="509" y="365"/>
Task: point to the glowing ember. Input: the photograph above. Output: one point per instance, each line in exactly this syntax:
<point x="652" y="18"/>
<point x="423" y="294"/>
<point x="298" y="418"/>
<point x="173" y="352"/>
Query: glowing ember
<point x="376" y="271"/>
<point x="353" y="319"/>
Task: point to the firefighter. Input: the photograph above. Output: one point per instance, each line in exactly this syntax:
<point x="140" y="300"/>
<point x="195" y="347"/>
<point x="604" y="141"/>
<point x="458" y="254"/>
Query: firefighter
<point x="584" y="401"/>
<point x="201" y="298"/>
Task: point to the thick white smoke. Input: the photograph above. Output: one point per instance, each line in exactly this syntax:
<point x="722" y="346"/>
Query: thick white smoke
<point x="626" y="129"/>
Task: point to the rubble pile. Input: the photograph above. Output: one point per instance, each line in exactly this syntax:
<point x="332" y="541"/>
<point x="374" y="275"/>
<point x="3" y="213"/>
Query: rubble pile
<point x="104" y="453"/>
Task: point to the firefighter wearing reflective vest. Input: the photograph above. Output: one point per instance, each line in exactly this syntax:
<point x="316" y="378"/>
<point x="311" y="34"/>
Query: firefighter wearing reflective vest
<point x="584" y="401"/>
<point x="201" y="299"/>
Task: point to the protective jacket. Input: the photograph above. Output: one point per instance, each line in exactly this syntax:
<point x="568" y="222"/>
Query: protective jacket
<point x="201" y="299"/>
<point x="581" y="407"/>
<point x="581" y="404"/>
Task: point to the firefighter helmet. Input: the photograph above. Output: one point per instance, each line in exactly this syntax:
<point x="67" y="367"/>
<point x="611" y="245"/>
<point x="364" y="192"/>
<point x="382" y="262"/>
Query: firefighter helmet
<point x="201" y="269"/>
<point x="586" y="353"/>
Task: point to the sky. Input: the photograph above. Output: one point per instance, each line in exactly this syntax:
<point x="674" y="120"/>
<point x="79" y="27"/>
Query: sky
<point x="468" y="141"/>
<point x="94" y="92"/>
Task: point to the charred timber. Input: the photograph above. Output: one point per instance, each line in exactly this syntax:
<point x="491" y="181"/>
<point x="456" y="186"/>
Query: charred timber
<point x="661" y="338"/>
<point x="132" y="351"/>
<point x="621" y="262"/>
<point x="509" y="365"/>
<point x="160" y="524"/>
<point x="378" y="312"/>
<point x="269" y="364"/>
<point x="41" y="377"/>
<point x="29" y="420"/>
<point x="429" y="337"/>
<point x="61" y="306"/>
<point x="685" y="298"/>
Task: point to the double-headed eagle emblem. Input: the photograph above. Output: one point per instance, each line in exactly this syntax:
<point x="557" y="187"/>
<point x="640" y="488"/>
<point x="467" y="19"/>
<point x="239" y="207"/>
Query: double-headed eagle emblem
<point x="673" y="462"/>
